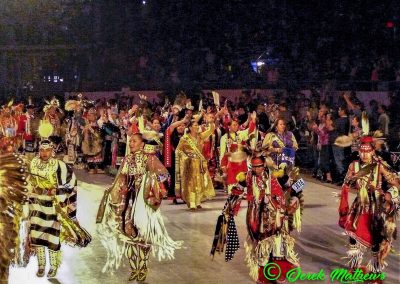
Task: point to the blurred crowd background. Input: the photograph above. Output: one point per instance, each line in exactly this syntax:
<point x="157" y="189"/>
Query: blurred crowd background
<point x="49" y="47"/>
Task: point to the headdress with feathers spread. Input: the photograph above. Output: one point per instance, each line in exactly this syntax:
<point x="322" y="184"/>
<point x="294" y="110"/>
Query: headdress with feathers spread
<point x="73" y="105"/>
<point x="346" y="141"/>
<point x="53" y="103"/>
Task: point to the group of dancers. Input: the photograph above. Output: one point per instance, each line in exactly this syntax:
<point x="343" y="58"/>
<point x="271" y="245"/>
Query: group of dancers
<point x="38" y="195"/>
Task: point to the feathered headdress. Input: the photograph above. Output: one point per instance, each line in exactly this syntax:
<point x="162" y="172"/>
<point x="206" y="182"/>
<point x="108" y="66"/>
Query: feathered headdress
<point x="73" y="105"/>
<point x="53" y="103"/>
<point x="180" y="100"/>
<point x="364" y="123"/>
<point x="45" y="129"/>
<point x="201" y="105"/>
<point x="19" y="108"/>
<point x="88" y="107"/>
<point x="13" y="193"/>
<point x="79" y="104"/>
<point x="346" y="141"/>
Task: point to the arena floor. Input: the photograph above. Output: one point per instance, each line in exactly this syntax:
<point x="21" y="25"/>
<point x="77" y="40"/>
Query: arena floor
<point x="320" y="245"/>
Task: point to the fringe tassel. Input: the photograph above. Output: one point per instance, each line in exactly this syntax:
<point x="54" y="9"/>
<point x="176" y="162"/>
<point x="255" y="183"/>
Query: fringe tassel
<point x="251" y="260"/>
<point x="22" y="253"/>
<point x="355" y="254"/>
<point x="71" y="232"/>
<point x="276" y="245"/>
<point x="263" y="250"/>
<point x="297" y="220"/>
<point x="389" y="230"/>
<point x="151" y="229"/>
<point x="290" y="255"/>
<point x="375" y="266"/>
<point x="150" y="225"/>
<point x="110" y="238"/>
<point x="259" y="254"/>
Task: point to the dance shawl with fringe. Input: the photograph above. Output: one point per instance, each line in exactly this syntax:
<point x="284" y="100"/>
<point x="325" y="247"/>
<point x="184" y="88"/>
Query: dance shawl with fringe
<point x="144" y="213"/>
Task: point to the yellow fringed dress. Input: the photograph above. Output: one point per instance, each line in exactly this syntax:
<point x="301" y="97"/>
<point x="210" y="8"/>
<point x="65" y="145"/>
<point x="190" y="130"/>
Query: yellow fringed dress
<point x="192" y="181"/>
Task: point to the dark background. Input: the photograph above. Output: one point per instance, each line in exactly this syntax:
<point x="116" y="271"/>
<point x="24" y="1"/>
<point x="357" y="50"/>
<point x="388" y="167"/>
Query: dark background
<point x="49" y="47"/>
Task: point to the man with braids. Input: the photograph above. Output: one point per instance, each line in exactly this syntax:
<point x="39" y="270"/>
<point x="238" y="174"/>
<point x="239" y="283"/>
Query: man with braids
<point x="130" y="221"/>
<point x="274" y="210"/>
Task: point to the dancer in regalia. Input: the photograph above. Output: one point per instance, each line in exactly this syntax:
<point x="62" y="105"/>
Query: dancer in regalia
<point x="53" y="205"/>
<point x="74" y="125"/>
<point x="281" y="143"/>
<point x="8" y="127"/>
<point x="370" y="220"/>
<point x="53" y="115"/>
<point x="29" y="126"/>
<point x="274" y="210"/>
<point x="92" y="142"/>
<point x="192" y="179"/>
<point x="130" y="221"/>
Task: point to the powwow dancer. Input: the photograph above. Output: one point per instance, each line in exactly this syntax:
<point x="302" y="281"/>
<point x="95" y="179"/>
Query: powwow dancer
<point x="52" y="206"/>
<point x="74" y="126"/>
<point x="53" y="115"/>
<point x="274" y="210"/>
<point x="92" y="142"/>
<point x="192" y="179"/>
<point x="370" y="220"/>
<point x="281" y="143"/>
<point x="9" y="126"/>
<point x="233" y="158"/>
<point x="210" y="145"/>
<point x="129" y="217"/>
<point x="29" y="123"/>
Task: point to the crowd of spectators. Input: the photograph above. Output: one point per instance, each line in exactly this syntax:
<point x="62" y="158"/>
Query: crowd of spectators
<point x="213" y="43"/>
<point x="165" y="44"/>
<point x="315" y="121"/>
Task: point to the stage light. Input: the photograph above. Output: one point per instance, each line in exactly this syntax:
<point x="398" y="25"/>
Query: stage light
<point x="260" y="63"/>
<point x="256" y="65"/>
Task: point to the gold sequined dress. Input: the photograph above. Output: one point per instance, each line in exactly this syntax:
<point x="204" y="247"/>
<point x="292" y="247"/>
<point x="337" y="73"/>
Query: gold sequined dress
<point x="192" y="179"/>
